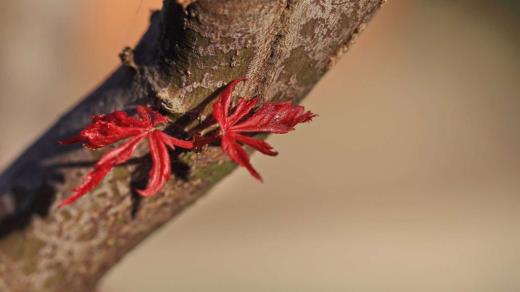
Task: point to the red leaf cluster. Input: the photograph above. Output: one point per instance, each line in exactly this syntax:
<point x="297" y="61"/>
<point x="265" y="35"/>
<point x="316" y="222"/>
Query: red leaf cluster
<point x="237" y="125"/>
<point x="278" y="118"/>
<point x="108" y="129"/>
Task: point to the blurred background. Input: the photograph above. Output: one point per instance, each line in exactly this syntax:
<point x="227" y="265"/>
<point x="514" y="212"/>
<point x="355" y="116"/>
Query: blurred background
<point x="409" y="180"/>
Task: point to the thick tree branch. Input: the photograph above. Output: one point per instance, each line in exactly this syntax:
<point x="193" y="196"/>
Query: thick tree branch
<point x="191" y="49"/>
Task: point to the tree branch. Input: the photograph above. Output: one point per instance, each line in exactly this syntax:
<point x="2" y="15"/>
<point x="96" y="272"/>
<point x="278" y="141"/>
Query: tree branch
<point x="191" y="49"/>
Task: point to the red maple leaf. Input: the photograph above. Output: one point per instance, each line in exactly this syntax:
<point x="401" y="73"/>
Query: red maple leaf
<point x="107" y="129"/>
<point x="278" y="118"/>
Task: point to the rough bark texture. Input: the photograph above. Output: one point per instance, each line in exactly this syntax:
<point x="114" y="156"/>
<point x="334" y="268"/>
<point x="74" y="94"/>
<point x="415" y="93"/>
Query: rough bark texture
<point x="191" y="49"/>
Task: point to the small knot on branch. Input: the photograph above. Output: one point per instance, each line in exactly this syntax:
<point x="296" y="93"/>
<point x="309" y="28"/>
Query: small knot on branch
<point x="127" y="58"/>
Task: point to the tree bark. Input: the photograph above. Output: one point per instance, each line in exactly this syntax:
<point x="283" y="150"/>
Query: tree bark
<point x="191" y="49"/>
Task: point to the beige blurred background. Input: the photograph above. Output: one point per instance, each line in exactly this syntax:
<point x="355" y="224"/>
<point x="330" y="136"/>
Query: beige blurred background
<point x="408" y="181"/>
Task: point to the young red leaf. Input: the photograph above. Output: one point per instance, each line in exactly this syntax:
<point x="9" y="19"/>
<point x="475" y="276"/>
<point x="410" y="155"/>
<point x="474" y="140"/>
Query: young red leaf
<point x="103" y="166"/>
<point x="161" y="168"/>
<point x="278" y="118"/>
<point x="108" y="129"/>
